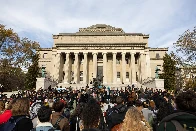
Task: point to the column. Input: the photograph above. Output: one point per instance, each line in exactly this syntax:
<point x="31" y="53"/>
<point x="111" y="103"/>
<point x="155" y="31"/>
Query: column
<point x="114" y="69"/>
<point x="123" y="67"/>
<point x="66" y="69"/>
<point x="53" y="66"/>
<point x="94" y="65"/>
<point x="143" y="67"/>
<point x="133" y="73"/>
<point x="104" y="68"/>
<point x="85" y="69"/>
<point x="148" y="67"/>
<point x="140" y="68"/>
<point x="57" y="66"/>
<point x="76" y="68"/>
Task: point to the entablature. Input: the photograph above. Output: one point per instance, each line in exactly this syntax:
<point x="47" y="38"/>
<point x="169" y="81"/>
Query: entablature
<point x="106" y="46"/>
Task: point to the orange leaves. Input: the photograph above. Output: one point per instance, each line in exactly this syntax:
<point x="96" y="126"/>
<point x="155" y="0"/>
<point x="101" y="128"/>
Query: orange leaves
<point x="16" y="49"/>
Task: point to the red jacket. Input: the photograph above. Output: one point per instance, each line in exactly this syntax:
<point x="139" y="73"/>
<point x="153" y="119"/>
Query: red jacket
<point x="5" y="116"/>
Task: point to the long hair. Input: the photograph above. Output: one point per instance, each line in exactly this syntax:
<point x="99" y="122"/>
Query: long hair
<point x="2" y="106"/>
<point x="21" y="107"/>
<point x="9" y="107"/>
<point x="134" y="121"/>
<point x="91" y="114"/>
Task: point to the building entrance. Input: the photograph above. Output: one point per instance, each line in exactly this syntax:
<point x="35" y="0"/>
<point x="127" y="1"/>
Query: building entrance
<point x="100" y="73"/>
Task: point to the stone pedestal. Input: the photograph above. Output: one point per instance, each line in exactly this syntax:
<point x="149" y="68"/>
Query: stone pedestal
<point x="43" y="83"/>
<point x="154" y="83"/>
<point x="159" y="83"/>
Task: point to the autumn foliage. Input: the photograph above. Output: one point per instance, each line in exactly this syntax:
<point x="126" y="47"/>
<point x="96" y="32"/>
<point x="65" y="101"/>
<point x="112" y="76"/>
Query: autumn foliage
<point x="15" y="53"/>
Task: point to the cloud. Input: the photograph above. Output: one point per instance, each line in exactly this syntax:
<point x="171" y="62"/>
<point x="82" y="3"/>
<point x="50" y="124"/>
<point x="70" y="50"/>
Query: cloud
<point x="39" y="19"/>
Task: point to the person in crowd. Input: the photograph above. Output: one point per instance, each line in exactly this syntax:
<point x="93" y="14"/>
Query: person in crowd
<point x="152" y="106"/>
<point x="44" y="115"/>
<point x="116" y="115"/>
<point x="33" y="111"/>
<point x="5" y="116"/>
<point x="134" y="121"/>
<point x="76" y="117"/>
<point x="184" y="118"/>
<point x="138" y="105"/>
<point x="58" y="107"/>
<point x="146" y="112"/>
<point x="91" y="116"/>
<point x="2" y="107"/>
<point x="131" y="99"/>
<point x="165" y="109"/>
<point x="20" y="109"/>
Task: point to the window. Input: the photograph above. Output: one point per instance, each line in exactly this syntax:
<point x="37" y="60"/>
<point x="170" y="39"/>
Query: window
<point x="118" y="74"/>
<point x="157" y="56"/>
<point x="127" y="74"/>
<point x="135" y="60"/>
<point x="81" y="60"/>
<point x="136" y="76"/>
<point x="81" y="75"/>
<point x="45" y="55"/>
<point x="72" y="76"/>
<point x="117" y="61"/>
<point x="73" y="61"/>
<point x="127" y="61"/>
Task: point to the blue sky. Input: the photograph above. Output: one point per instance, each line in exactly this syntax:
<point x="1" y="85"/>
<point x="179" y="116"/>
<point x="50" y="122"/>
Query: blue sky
<point x="164" y="20"/>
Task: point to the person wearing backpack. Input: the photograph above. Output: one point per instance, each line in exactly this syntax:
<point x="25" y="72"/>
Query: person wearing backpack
<point x="184" y="118"/>
<point x="116" y="115"/>
<point x="44" y="115"/>
<point x="19" y="120"/>
<point x="59" y="121"/>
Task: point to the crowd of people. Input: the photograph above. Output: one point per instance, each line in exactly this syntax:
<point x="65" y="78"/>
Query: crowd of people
<point x="94" y="109"/>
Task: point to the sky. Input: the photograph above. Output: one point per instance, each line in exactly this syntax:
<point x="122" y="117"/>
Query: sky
<point x="38" y="20"/>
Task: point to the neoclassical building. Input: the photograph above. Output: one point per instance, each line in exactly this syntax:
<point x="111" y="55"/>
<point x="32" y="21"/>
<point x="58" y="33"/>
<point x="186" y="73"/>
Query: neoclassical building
<point x="101" y="51"/>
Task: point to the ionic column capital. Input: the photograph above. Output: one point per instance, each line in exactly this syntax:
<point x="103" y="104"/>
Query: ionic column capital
<point x="114" y="53"/>
<point x="104" y="53"/>
<point x="94" y="53"/>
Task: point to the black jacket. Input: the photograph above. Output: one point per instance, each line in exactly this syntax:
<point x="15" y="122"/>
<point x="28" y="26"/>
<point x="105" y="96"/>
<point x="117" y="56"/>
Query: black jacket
<point x="116" y="115"/>
<point x="24" y="124"/>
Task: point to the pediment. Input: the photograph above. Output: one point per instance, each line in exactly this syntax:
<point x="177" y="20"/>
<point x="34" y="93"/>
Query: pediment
<point x="101" y="28"/>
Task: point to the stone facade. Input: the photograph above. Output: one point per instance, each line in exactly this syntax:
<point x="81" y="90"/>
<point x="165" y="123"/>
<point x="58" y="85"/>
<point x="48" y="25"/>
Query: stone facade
<point x="101" y="51"/>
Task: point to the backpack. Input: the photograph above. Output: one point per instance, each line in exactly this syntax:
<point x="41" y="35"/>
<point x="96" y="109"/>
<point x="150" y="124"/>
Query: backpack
<point x="116" y="115"/>
<point x="177" y="124"/>
<point x="56" y="125"/>
<point x="10" y="124"/>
